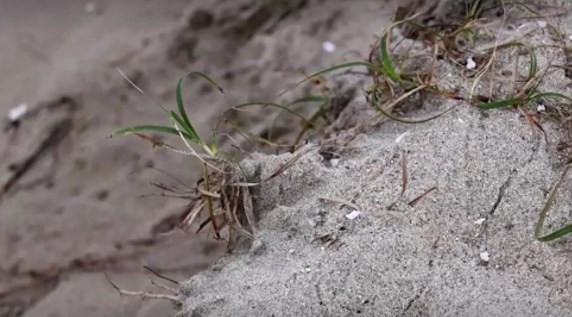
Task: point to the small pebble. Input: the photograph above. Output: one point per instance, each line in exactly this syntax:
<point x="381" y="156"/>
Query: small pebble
<point x="328" y="47"/>
<point x="484" y="256"/>
<point x="353" y="215"/>
<point x="471" y="63"/>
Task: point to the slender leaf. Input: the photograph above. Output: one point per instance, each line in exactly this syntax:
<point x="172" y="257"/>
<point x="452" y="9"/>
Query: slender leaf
<point x="544" y="212"/>
<point x="149" y="128"/>
<point x="186" y="123"/>
<point x="184" y="129"/>
<point x="499" y="104"/>
<point x="385" y="59"/>
<point x="275" y="105"/>
<point x="211" y="81"/>
<point x="533" y="67"/>
<point x="550" y="94"/>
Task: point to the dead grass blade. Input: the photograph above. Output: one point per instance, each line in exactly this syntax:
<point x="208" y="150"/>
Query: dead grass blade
<point x="289" y="163"/>
<point x="544" y="212"/>
<point x="339" y="200"/>
<point x="415" y="201"/>
<point x="172" y="298"/>
<point x="161" y="276"/>
<point x="404" y="180"/>
<point x="534" y="123"/>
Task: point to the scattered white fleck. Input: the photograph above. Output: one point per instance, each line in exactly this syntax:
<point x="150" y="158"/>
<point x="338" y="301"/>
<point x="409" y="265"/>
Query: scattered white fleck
<point x="449" y="75"/>
<point x="484" y="256"/>
<point x="353" y="215"/>
<point x="480" y="221"/>
<point x="540" y="108"/>
<point x="471" y="63"/>
<point x="461" y="120"/>
<point x="328" y="46"/>
<point x="308" y="270"/>
<point x="401" y="136"/>
<point x="570" y="37"/>
<point x="17" y="112"/>
<point x="335" y="162"/>
<point x="542" y="23"/>
<point x="291" y="251"/>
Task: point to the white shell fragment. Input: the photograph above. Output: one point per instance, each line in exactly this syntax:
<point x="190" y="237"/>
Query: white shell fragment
<point x="540" y="108"/>
<point x="401" y="136"/>
<point x="328" y="46"/>
<point x="484" y="256"/>
<point x="542" y="23"/>
<point x="17" y="112"/>
<point x="480" y="221"/>
<point x="353" y="215"/>
<point x="471" y="63"/>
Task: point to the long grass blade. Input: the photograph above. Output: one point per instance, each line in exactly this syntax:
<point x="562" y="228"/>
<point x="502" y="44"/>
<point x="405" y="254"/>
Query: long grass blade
<point x="499" y="104"/>
<point x="149" y="128"/>
<point x="544" y="212"/>
<point x="275" y="105"/>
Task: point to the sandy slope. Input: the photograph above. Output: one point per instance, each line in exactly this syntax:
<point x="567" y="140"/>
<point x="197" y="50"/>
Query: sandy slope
<point x="76" y="212"/>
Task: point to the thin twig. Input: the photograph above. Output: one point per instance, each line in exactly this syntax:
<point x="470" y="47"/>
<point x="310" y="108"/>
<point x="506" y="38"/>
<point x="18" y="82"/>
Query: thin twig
<point x="161" y="276"/>
<point x="171" y="298"/>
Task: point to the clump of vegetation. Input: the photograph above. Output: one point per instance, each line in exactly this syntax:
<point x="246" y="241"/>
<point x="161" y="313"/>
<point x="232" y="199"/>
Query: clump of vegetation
<point x="223" y="191"/>
<point x="468" y="50"/>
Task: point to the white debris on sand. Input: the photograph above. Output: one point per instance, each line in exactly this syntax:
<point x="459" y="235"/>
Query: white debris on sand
<point x="353" y="215"/>
<point x="329" y="47"/>
<point x="16" y="113"/>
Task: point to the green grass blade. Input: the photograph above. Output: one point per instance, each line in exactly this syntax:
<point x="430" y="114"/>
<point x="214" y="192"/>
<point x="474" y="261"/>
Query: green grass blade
<point x="186" y="130"/>
<point x="556" y="234"/>
<point x="211" y="81"/>
<point x="401" y="120"/>
<point x="544" y="212"/>
<point x="385" y="59"/>
<point x="341" y="66"/>
<point x="186" y="123"/>
<point x="251" y="136"/>
<point x="533" y="67"/>
<point x="549" y="94"/>
<point x="367" y="65"/>
<point x="499" y="104"/>
<point x="149" y="128"/>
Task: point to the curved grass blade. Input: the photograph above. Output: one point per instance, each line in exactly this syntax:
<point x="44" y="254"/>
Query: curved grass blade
<point x="211" y="81"/>
<point x="149" y="128"/>
<point x="367" y="65"/>
<point x="385" y="59"/>
<point x="376" y="105"/>
<point x="542" y="216"/>
<point x="184" y="129"/>
<point x="251" y="136"/>
<point x="533" y="67"/>
<point x="324" y="99"/>
<point x="185" y="123"/>
<point x="549" y="94"/>
<point x="275" y="105"/>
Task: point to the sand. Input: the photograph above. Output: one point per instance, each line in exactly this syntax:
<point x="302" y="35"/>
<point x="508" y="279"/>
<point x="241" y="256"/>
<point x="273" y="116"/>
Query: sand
<point x="467" y="248"/>
<point x="76" y="213"/>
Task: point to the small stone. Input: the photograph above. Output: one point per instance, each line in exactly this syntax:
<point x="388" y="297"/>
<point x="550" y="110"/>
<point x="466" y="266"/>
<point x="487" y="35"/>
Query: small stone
<point x="328" y="47"/>
<point x="471" y="63"/>
<point x="484" y="256"/>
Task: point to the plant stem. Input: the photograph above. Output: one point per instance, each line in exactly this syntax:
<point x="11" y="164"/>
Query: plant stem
<point x="210" y="202"/>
